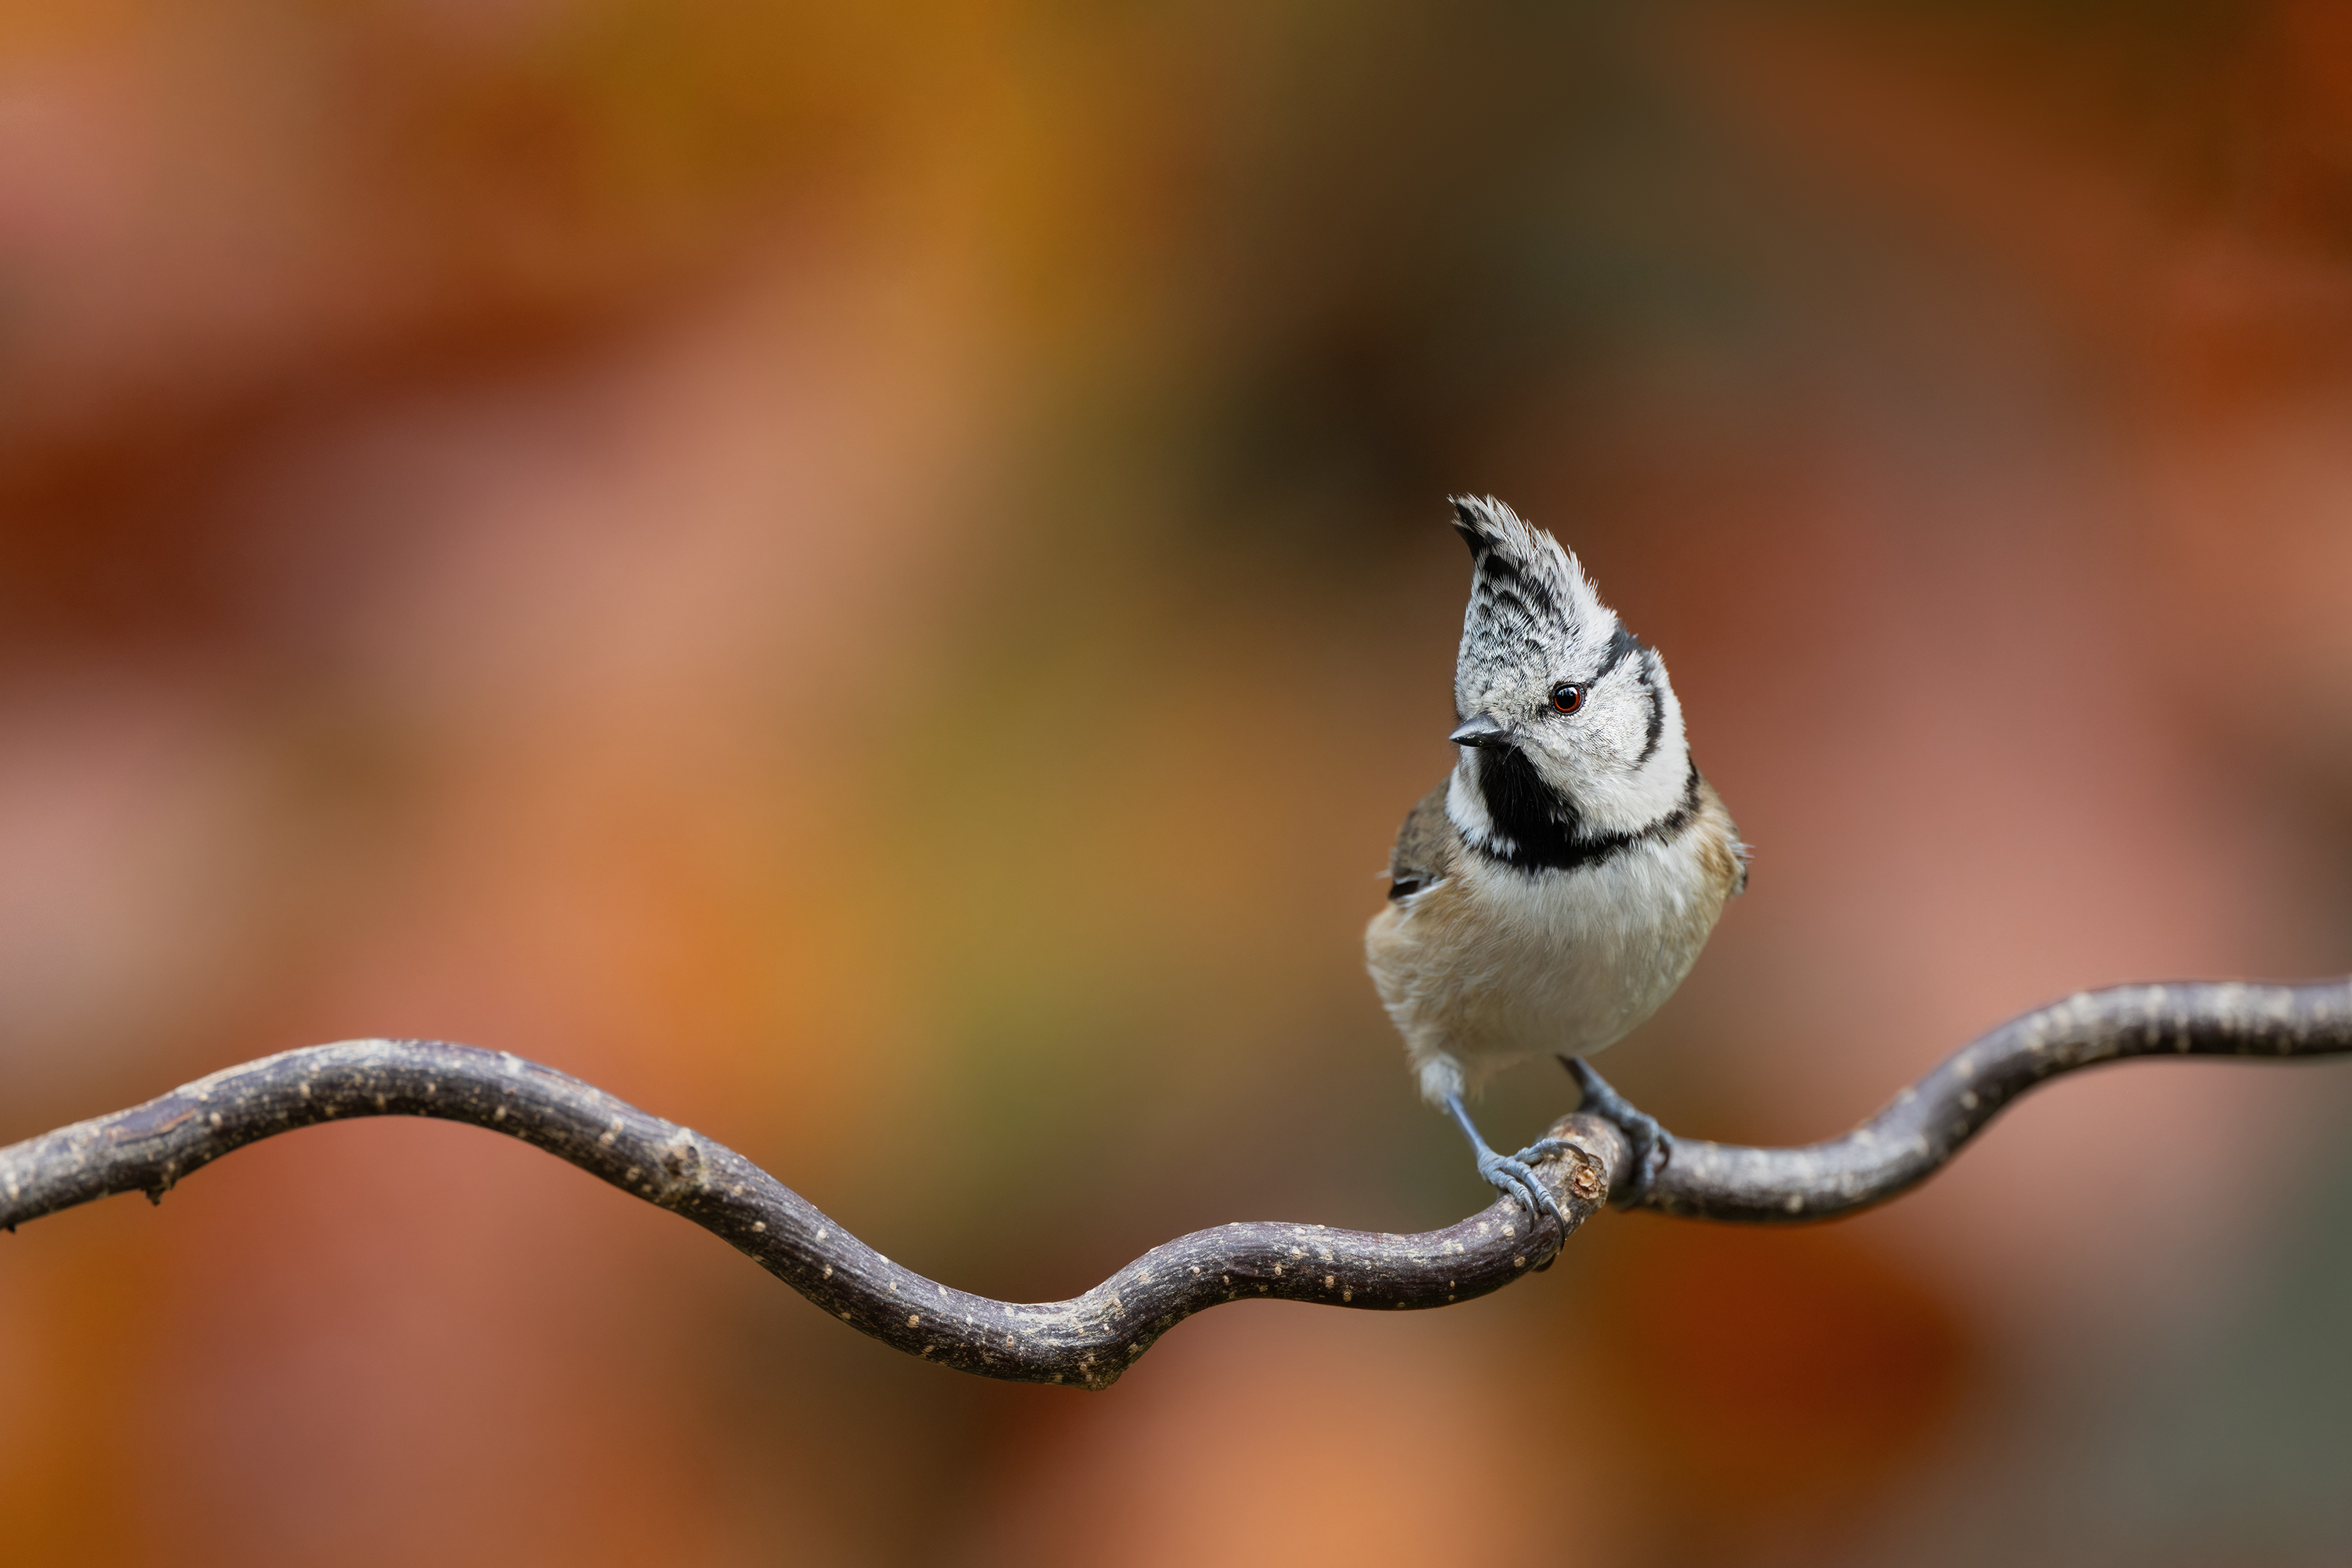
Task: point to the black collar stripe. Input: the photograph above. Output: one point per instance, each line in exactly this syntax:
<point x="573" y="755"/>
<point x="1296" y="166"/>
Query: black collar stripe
<point x="1544" y="829"/>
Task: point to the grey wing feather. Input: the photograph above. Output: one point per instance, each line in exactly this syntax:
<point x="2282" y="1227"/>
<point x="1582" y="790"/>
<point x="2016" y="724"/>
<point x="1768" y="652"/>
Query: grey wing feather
<point x="1425" y="847"/>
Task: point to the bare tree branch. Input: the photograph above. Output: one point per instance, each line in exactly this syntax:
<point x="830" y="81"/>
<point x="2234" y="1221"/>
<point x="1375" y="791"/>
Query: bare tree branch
<point x="1925" y="1126"/>
<point x="1091" y="1339"/>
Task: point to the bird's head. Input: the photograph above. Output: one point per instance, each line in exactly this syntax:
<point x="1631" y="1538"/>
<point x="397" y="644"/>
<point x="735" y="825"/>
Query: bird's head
<point x="1552" y="688"/>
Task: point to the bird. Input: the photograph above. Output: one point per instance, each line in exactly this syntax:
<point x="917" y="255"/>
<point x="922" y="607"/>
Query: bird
<point x="1552" y="892"/>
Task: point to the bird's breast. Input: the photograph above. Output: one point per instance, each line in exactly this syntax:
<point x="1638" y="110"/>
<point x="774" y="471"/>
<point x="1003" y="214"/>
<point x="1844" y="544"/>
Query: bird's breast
<point x="1499" y="963"/>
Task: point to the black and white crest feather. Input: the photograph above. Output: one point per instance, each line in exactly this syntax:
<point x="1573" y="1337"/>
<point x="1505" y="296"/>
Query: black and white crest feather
<point x="1531" y="606"/>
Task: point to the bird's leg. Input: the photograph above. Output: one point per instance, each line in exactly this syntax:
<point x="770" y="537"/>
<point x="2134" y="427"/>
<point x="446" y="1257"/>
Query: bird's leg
<point x="1648" y="1144"/>
<point x="1509" y="1172"/>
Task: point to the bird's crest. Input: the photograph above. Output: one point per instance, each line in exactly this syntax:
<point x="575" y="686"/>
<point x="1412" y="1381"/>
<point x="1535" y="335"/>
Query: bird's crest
<point x="1532" y="606"/>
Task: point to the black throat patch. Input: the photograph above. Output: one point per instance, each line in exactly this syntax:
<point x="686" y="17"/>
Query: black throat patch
<point x="1546" y="831"/>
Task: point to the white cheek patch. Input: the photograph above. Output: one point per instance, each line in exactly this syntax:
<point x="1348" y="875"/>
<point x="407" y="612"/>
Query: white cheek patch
<point x="1467" y="810"/>
<point x="1604" y="759"/>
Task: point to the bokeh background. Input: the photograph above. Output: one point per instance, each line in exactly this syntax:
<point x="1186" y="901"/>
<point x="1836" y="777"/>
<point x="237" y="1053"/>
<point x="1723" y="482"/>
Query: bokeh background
<point x="873" y="580"/>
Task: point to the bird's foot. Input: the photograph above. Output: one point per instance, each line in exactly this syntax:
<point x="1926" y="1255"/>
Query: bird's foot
<point x="1648" y="1146"/>
<point x="1507" y="1172"/>
<point x="1514" y="1178"/>
<point x="1545" y="1148"/>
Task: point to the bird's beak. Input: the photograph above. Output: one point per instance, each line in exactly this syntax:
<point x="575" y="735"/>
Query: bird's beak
<point x="1485" y="730"/>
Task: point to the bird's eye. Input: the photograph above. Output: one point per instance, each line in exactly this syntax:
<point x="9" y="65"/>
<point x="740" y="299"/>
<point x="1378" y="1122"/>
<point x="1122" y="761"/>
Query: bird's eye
<point x="1568" y="697"/>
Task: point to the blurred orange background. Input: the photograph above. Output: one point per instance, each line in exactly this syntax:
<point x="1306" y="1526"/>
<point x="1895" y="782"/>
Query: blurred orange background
<point x="874" y="582"/>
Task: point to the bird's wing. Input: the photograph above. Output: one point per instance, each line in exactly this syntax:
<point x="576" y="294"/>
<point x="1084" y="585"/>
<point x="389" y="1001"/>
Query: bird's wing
<point x="1425" y="847"/>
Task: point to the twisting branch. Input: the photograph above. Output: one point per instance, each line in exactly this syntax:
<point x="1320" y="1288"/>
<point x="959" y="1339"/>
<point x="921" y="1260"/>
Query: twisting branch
<point x="1091" y="1339"/>
<point x="1910" y="1140"/>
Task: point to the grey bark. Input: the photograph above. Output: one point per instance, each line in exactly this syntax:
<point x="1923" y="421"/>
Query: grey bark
<point x="1925" y="1124"/>
<point x="1089" y="1340"/>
